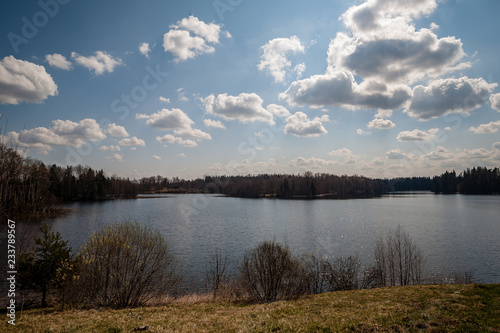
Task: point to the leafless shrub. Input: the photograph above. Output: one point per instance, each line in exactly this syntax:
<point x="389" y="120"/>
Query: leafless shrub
<point x="398" y="260"/>
<point x="125" y="264"/>
<point x="270" y="272"/>
<point x="215" y="273"/>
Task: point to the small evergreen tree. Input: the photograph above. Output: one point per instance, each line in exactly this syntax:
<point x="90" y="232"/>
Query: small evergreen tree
<point x="39" y="269"/>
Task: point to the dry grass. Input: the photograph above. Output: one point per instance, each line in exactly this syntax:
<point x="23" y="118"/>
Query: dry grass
<point x="431" y="308"/>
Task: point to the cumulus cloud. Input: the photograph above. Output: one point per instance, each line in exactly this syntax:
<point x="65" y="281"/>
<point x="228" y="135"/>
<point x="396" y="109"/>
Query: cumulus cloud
<point x="183" y="45"/>
<point x="491" y="127"/>
<point x="132" y="142"/>
<point x="156" y="157"/>
<point x="58" y="61"/>
<point x="405" y="59"/>
<point x="214" y="123"/>
<point x="62" y="133"/>
<point x="169" y="138"/>
<point x="110" y="148"/>
<point x="115" y="157"/>
<point x="164" y="99"/>
<point x="417" y="135"/>
<point x="384" y="44"/>
<point x="192" y="133"/>
<point x="100" y="62"/>
<point x="210" y="32"/>
<point x="167" y="119"/>
<point x="396" y="154"/>
<point x="439" y="154"/>
<point x="495" y="101"/>
<point x="348" y="156"/>
<point x="379" y="123"/>
<point x="117" y="131"/>
<point x="145" y="49"/>
<point x="244" y="108"/>
<point x="179" y="122"/>
<point x="278" y="110"/>
<point x="311" y="162"/>
<point x="338" y="88"/>
<point x="274" y="57"/>
<point x="23" y="81"/>
<point x="444" y="96"/>
<point x="359" y="131"/>
<point x="300" y="125"/>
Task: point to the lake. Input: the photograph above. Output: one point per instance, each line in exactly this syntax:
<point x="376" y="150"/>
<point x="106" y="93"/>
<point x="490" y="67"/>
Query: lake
<point x="456" y="232"/>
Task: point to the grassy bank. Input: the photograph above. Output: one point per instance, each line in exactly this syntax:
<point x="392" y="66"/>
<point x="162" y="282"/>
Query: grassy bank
<point x="448" y="308"/>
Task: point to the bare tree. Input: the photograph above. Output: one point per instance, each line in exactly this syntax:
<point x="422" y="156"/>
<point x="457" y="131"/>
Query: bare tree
<point x="398" y="259"/>
<point x="215" y="273"/>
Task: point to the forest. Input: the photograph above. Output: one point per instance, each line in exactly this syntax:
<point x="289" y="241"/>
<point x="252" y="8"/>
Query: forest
<point x="30" y="189"/>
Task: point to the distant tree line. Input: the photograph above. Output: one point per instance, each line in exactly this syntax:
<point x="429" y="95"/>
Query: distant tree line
<point x="478" y="180"/>
<point x="29" y="188"/>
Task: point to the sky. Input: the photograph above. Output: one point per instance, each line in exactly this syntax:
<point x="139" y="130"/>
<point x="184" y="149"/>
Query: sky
<point x="380" y="88"/>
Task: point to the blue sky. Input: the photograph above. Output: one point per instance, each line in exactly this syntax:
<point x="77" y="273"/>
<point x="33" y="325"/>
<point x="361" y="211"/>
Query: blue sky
<point x="382" y="88"/>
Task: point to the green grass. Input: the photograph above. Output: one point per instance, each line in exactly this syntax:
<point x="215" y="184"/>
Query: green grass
<point x="428" y="308"/>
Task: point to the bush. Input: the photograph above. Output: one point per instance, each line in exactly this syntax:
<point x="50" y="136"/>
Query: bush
<point x="125" y="264"/>
<point x="398" y="260"/>
<point x="269" y="272"/>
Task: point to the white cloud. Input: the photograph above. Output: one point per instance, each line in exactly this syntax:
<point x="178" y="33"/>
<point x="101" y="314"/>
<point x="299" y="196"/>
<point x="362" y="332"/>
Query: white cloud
<point x="214" y="123"/>
<point x="278" y="110"/>
<point x="406" y="58"/>
<point x="347" y="154"/>
<point x="169" y="138"/>
<point x="179" y="122"/>
<point x="167" y="119"/>
<point x="299" y="69"/>
<point x="338" y="88"/>
<point x="210" y="32"/>
<point x="444" y="96"/>
<point x="183" y="46"/>
<point x="100" y="62"/>
<point x="156" y="157"/>
<point x="396" y="154"/>
<point x="495" y="101"/>
<point x="182" y="95"/>
<point x="300" y="125"/>
<point x="163" y="99"/>
<point x="58" y="61"/>
<point x="384" y="44"/>
<point x="192" y="133"/>
<point x="376" y="18"/>
<point x="23" y="81"/>
<point x="417" y="135"/>
<point x="359" y="131"/>
<point x="110" y="148"/>
<point x="439" y="154"/>
<point x="491" y="127"/>
<point x="181" y="155"/>
<point x="274" y="58"/>
<point x="145" y="49"/>
<point x="312" y="162"/>
<point x="378" y="161"/>
<point x="132" y="142"/>
<point x="62" y="133"/>
<point x="244" y="107"/>
<point x="117" y="131"/>
<point x="381" y="124"/>
<point x="115" y="157"/>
